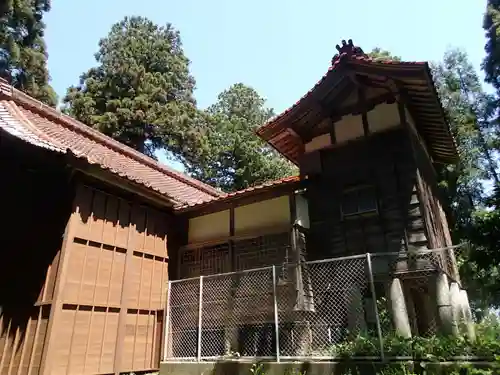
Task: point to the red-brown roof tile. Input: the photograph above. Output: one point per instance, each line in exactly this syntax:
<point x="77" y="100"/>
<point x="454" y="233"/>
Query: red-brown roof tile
<point x="291" y="180"/>
<point x="337" y="61"/>
<point x="42" y="126"/>
<point x="277" y="132"/>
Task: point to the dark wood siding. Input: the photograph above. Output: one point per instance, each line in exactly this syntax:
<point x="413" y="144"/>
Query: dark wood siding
<point x="436" y="223"/>
<point x="384" y="161"/>
<point x="36" y="203"/>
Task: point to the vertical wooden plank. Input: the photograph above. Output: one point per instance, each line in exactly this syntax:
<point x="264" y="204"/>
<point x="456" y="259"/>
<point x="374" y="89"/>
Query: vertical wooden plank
<point x="123" y="227"/>
<point x="83" y="208"/>
<point x="79" y="341"/>
<point x="35" y="340"/>
<point x="3" y="337"/>
<point x="139" y="232"/>
<point x="134" y="353"/>
<point x="109" y="341"/>
<point x="40" y="344"/>
<point x="5" y="353"/>
<point x="94" y="330"/>
<point x="122" y="318"/>
<point x="75" y="260"/>
<point x="28" y="345"/>
<point x="89" y="275"/>
<point x="96" y="336"/>
<point x="74" y="223"/>
<point x="98" y="213"/>
<point x="110" y="221"/>
<point x="150" y="234"/>
<point x="24" y="344"/>
<point x="150" y="308"/>
<point x="15" y="350"/>
<point x="62" y="349"/>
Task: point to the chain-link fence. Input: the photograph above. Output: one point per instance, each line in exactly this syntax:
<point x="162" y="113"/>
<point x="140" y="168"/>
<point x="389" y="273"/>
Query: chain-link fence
<point x="306" y="309"/>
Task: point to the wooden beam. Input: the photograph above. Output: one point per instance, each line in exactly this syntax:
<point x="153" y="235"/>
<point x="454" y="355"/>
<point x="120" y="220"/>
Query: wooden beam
<point x="364" y="112"/>
<point x="354" y="109"/>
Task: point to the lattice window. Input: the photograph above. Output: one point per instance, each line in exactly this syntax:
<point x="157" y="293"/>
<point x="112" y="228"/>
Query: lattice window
<point x="204" y="261"/>
<point x="359" y="200"/>
<point x="262" y="251"/>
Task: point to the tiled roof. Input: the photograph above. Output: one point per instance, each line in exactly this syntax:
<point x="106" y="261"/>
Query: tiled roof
<point x="35" y="123"/>
<point x="244" y="192"/>
<point x="279" y="134"/>
<point x="342" y="57"/>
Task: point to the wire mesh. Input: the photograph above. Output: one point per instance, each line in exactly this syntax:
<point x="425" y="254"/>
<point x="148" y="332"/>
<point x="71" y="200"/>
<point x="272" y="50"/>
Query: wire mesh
<point x="183" y="318"/>
<point x="307" y="309"/>
<point x="319" y="305"/>
<point x="238" y="315"/>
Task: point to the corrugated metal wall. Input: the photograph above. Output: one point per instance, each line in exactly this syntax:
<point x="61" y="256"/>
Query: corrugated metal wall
<point x="111" y="296"/>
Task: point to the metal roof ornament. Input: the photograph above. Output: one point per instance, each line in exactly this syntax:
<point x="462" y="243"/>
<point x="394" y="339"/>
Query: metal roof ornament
<point x="347" y="48"/>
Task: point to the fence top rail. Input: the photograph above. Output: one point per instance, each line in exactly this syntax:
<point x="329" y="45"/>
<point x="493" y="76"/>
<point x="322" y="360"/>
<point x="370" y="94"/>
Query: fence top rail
<point x="327" y="260"/>
<point x="267" y="268"/>
<point x="417" y="252"/>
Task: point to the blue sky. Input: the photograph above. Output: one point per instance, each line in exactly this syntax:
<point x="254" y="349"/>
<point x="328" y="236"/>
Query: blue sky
<point x="281" y="48"/>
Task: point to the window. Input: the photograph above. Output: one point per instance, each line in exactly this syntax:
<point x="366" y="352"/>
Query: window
<point x="359" y="200"/>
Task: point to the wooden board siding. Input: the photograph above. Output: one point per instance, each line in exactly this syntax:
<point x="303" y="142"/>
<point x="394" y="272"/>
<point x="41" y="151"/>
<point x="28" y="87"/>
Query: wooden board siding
<point x="384" y="161"/>
<point x="21" y="347"/>
<point x="112" y="293"/>
<point x="36" y="203"/>
<point x="435" y="220"/>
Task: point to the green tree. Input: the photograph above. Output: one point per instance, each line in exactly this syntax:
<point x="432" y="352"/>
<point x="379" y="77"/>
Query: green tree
<point x="468" y="109"/>
<point x="23" y="55"/>
<point x="491" y="25"/>
<point x="141" y="92"/>
<point x="381" y="54"/>
<point x="230" y="155"/>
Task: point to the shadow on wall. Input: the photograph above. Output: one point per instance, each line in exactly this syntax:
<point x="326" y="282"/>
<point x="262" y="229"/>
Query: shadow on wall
<point x="36" y="203"/>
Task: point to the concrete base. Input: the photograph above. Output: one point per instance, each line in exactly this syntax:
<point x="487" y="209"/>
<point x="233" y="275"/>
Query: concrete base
<point x="269" y="368"/>
<point x="309" y="368"/>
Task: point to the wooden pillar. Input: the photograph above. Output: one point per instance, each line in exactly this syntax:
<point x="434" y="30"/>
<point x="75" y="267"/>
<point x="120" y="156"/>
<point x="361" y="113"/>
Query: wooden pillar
<point x="231" y="323"/>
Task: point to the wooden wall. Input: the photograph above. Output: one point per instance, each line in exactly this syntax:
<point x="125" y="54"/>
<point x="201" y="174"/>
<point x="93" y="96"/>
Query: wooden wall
<point x="110" y="296"/>
<point x="434" y="217"/>
<point x="246" y="235"/>
<point x="36" y="204"/>
<point x="385" y="161"/>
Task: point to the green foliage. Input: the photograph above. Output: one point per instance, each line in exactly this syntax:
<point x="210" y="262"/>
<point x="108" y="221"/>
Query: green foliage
<point x="229" y="155"/>
<point x="469" y="110"/>
<point x="141" y="91"/>
<point x="434" y="348"/>
<point x="491" y="25"/>
<point x="23" y="55"/>
<point x="380" y="54"/>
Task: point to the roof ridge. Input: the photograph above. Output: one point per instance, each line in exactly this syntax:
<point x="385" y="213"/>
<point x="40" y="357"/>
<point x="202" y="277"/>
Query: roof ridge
<point x="65" y="120"/>
<point x="243" y="192"/>
<point x="342" y="57"/>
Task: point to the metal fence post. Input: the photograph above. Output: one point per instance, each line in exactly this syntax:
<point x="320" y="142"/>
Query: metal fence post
<point x="375" y="307"/>
<point x="276" y="322"/>
<point x="200" y="312"/>
<point x="166" y="341"/>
